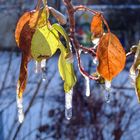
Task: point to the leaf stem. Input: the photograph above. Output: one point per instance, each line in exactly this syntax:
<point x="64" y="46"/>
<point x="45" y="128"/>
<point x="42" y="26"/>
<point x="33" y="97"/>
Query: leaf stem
<point x="38" y="5"/>
<point x="71" y="11"/>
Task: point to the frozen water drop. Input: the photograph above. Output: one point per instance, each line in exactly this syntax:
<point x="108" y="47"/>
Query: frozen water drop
<point x="107" y="97"/>
<point x="95" y="61"/>
<point x="79" y="51"/>
<point x="68" y="104"/>
<point x="37" y="67"/>
<point x="20" y="110"/>
<point x="95" y="41"/>
<point x="43" y="63"/>
<point x="87" y="84"/>
<point x="107" y="85"/>
<point x="43" y="69"/>
<point x="133" y="79"/>
<point x="44" y="77"/>
<point x="68" y="113"/>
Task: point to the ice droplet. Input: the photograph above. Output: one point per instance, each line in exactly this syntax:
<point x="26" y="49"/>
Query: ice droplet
<point x="107" y="97"/>
<point x="43" y="68"/>
<point x="87" y="84"/>
<point x="107" y="85"/>
<point x="37" y="67"/>
<point x="20" y="110"/>
<point x="95" y="41"/>
<point x="95" y="61"/>
<point x="68" y="104"/>
<point x="133" y="79"/>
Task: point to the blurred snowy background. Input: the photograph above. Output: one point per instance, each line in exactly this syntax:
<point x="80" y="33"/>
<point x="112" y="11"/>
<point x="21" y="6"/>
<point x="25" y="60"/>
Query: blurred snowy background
<point x="93" y="118"/>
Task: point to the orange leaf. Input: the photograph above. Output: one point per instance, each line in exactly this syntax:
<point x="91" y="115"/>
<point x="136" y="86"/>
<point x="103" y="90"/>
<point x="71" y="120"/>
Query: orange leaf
<point x="22" y="21"/>
<point x="97" y="25"/>
<point x="111" y="56"/>
<point x="23" y="36"/>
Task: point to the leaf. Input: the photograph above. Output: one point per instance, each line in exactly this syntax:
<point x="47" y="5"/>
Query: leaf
<point x="97" y="26"/>
<point x="59" y="16"/>
<point x="137" y="86"/>
<point x="66" y="71"/>
<point x="111" y="56"/>
<point x="45" y="42"/>
<point x="23" y="76"/>
<point x="21" y="23"/>
<point x="23" y="36"/>
<point x="136" y="60"/>
<point x="135" y="76"/>
<point x="61" y="30"/>
<point x="39" y="18"/>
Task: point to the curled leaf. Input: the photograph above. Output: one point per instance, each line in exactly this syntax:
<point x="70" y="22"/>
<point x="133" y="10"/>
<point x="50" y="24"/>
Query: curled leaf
<point x="39" y="18"/>
<point x="111" y="56"/>
<point x="23" y="76"/>
<point x="97" y="26"/>
<point x="44" y="44"/>
<point x="59" y="16"/>
<point x="66" y="72"/>
<point x="133" y="71"/>
<point x="21" y="23"/>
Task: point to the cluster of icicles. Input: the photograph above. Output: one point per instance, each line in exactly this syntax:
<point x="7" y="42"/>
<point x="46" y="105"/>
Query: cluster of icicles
<point x="40" y="67"/>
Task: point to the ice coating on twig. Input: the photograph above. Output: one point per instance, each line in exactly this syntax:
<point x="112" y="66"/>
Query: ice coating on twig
<point x="37" y="67"/>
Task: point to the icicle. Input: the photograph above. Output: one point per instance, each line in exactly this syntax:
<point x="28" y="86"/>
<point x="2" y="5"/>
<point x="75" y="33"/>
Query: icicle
<point x="107" y="97"/>
<point x="133" y="79"/>
<point x="37" y="67"/>
<point x="68" y="104"/>
<point x="108" y="90"/>
<point x="87" y="84"/>
<point x="95" y="61"/>
<point x="95" y="41"/>
<point x="20" y="110"/>
<point x="107" y="85"/>
<point x="43" y="68"/>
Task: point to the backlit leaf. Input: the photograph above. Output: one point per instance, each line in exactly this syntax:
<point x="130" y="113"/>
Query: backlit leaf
<point x="21" y="23"/>
<point x="44" y="43"/>
<point x="97" y="26"/>
<point x="39" y="18"/>
<point x="111" y="56"/>
<point x="66" y="71"/>
<point x="135" y="76"/>
<point x="61" y="30"/>
<point x="23" y="76"/>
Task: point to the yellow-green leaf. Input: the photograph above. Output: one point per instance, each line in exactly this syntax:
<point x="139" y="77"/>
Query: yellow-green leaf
<point x="61" y="30"/>
<point x="44" y="43"/>
<point x="66" y="71"/>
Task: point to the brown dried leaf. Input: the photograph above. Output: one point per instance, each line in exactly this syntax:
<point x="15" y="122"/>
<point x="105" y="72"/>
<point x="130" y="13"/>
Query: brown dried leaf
<point x="23" y="76"/>
<point x="97" y="25"/>
<point x="111" y="56"/>
<point x="23" y="36"/>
